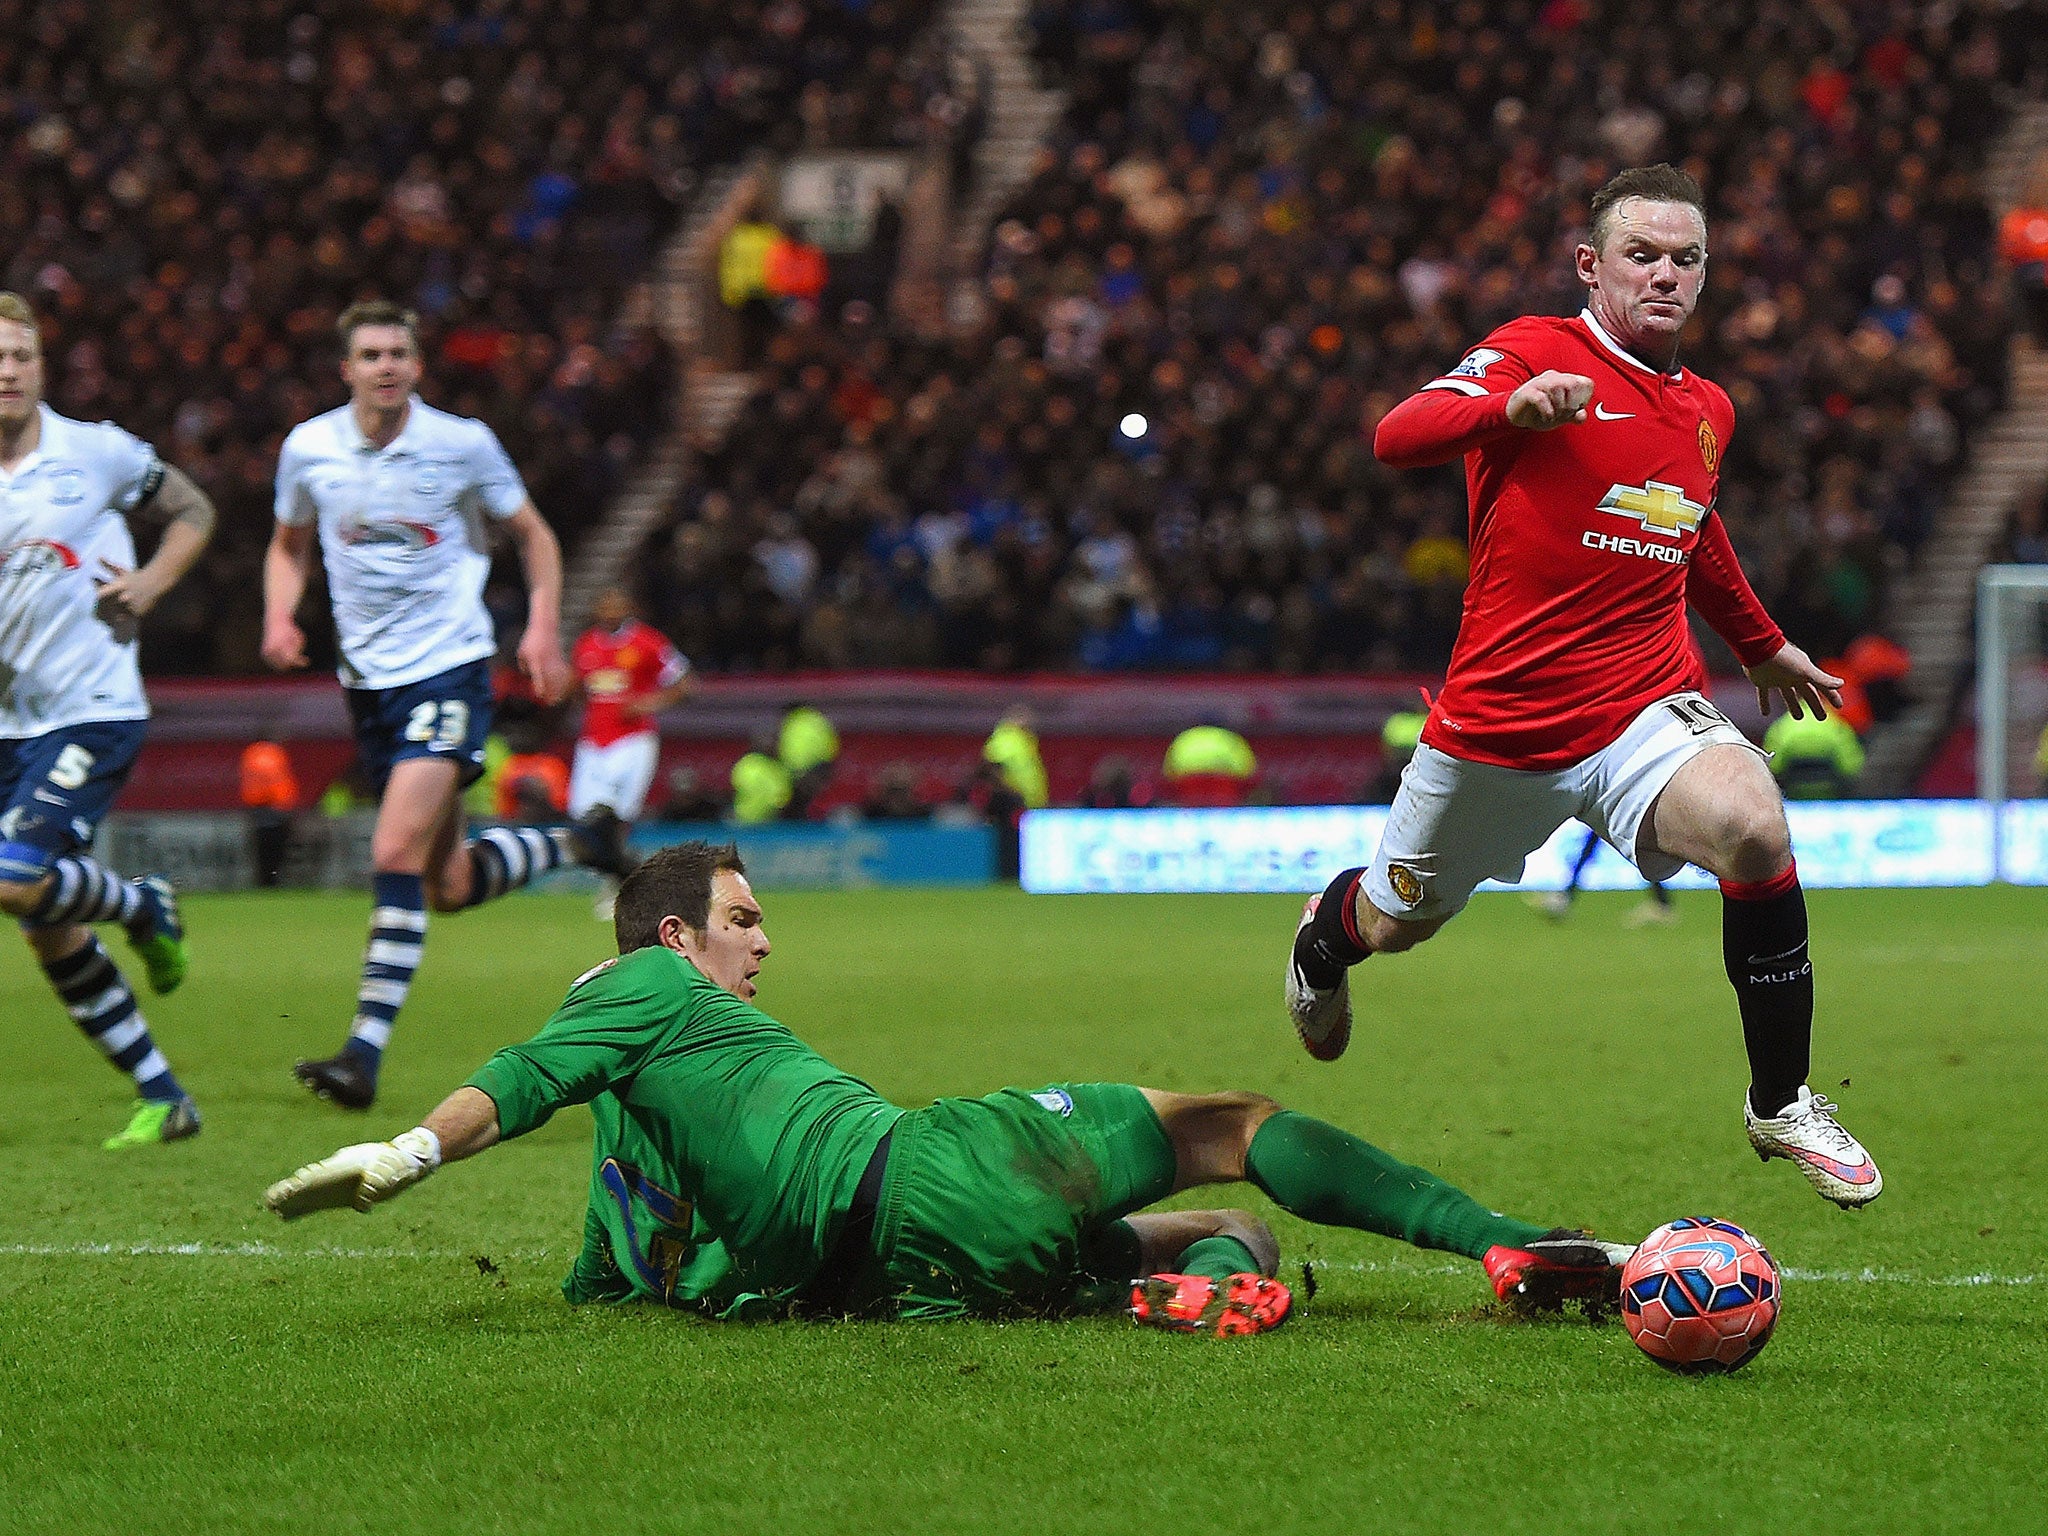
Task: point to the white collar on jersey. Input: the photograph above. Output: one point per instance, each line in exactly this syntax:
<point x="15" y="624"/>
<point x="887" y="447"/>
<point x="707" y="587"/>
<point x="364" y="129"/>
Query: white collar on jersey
<point x="358" y="441"/>
<point x="1600" y="335"/>
<point x="53" y="434"/>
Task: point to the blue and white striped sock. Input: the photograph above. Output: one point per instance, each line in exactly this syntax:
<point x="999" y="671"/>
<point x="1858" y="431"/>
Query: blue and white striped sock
<point x="100" y="999"/>
<point x="83" y="890"/>
<point x="398" y="931"/>
<point x="503" y="859"/>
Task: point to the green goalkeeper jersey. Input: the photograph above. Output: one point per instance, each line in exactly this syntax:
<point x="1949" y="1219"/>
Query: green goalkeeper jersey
<point x="727" y="1150"/>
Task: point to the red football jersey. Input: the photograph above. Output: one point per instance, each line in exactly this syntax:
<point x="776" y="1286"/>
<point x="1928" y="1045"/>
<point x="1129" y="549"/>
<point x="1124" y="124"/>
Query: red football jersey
<point x="1587" y="541"/>
<point x="618" y="668"/>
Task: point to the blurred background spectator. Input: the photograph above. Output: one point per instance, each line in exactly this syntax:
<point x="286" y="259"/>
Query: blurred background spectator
<point x="2023" y="242"/>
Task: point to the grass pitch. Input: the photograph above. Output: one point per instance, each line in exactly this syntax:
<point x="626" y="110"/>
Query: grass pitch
<point x="171" y="1357"/>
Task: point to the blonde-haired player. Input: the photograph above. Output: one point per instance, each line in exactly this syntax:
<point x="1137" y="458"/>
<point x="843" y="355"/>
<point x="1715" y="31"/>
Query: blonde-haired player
<point x="72" y="709"/>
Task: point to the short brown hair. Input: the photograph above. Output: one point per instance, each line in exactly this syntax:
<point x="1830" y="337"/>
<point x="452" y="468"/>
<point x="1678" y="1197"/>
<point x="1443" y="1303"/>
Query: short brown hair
<point x="376" y="312"/>
<point x="15" y="308"/>
<point x="676" y="882"/>
<point x="1659" y="183"/>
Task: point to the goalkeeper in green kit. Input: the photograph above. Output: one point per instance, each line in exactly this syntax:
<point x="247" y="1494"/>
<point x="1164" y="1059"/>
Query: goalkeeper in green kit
<point x="738" y="1173"/>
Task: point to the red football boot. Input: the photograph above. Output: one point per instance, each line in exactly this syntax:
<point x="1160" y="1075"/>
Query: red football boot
<point x="1562" y="1265"/>
<point x="1242" y="1304"/>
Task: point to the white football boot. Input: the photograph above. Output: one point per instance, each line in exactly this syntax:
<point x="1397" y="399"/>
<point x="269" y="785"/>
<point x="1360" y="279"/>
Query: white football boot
<point x="1321" y="1019"/>
<point x="1808" y="1134"/>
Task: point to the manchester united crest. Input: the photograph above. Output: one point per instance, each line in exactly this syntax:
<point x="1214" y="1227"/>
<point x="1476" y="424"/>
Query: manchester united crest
<point x="1406" y="882"/>
<point x="1710" y="447"/>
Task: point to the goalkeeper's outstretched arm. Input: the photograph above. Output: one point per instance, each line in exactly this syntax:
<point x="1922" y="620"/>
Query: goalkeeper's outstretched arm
<point x="464" y="1124"/>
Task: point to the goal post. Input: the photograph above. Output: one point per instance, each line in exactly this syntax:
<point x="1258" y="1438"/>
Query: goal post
<point x="2012" y="679"/>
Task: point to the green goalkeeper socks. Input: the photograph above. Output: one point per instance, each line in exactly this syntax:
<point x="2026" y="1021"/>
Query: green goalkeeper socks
<point x="1325" y="1175"/>
<point x="1218" y="1258"/>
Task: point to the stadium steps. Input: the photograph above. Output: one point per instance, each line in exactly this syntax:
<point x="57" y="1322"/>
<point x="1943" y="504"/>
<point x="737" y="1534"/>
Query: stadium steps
<point x="715" y="399"/>
<point x="2008" y="461"/>
<point x="678" y="298"/>
<point x="1020" y="115"/>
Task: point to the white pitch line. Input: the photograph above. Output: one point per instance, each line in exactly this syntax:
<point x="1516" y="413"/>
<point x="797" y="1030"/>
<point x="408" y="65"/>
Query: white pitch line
<point x="240" y="1251"/>
<point x="1899" y="1277"/>
<point x="1802" y="1276"/>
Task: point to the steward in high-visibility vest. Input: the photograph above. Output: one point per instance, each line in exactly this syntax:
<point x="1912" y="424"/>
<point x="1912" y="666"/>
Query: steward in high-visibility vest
<point x="1209" y="765"/>
<point x="1817" y="758"/>
<point x="1013" y="747"/>
<point x="761" y="788"/>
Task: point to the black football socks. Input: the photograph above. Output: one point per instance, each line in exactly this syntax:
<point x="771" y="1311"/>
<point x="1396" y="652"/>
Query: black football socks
<point x="1763" y="945"/>
<point x="1330" y="944"/>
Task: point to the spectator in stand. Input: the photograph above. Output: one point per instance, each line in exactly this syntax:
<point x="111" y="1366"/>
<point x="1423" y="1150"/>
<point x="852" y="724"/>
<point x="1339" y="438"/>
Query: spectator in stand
<point x="2023" y="242"/>
<point x="1209" y="764"/>
<point x="743" y="284"/>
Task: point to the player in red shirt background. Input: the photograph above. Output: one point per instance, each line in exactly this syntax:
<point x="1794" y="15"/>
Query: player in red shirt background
<point x="629" y="673"/>
<point x="1592" y="463"/>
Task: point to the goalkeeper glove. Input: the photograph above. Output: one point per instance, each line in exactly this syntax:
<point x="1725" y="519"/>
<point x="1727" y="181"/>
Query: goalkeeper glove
<point x="361" y="1176"/>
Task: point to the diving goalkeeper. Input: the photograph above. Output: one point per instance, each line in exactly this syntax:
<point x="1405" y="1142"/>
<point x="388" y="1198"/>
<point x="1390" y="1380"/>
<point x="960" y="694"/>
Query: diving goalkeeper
<point x="738" y="1173"/>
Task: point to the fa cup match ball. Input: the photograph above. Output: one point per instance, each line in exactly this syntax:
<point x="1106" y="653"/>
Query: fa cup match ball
<point x="1700" y="1295"/>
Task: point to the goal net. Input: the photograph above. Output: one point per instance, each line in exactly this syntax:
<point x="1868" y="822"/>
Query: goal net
<point x="2012" y="713"/>
<point x="2012" y="680"/>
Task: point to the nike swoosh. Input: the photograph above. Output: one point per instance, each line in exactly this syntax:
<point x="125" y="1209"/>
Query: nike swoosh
<point x="1601" y="413"/>
<point x="1849" y="1173"/>
<point x="1774" y="959"/>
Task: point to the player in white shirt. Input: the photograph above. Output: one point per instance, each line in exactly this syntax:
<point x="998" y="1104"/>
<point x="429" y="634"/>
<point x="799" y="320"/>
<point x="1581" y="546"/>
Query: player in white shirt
<point x="402" y="499"/>
<point x="72" y="710"/>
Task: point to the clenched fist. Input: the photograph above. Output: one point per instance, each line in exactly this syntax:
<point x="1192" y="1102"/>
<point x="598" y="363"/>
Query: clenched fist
<point x="1550" y="400"/>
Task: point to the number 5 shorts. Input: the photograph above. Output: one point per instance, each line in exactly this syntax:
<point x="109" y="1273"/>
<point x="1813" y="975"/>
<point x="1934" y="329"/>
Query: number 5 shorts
<point x="1456" y="823"/>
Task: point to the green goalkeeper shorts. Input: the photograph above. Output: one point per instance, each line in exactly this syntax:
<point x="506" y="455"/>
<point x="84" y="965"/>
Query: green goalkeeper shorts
<point x="1011" y="1204"/>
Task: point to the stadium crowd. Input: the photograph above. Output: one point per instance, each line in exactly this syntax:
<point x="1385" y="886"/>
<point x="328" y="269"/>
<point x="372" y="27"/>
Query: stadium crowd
<point x="1144" y="441"/>
<point x="191" y="207"/>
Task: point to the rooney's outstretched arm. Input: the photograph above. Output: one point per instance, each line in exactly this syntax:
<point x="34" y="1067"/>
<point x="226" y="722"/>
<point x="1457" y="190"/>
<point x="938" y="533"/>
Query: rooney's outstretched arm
<point x="1435" y="426"/>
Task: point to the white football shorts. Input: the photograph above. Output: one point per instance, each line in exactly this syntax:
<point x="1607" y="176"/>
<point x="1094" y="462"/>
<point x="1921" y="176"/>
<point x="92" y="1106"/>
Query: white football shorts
<point x="1456" y="823"/>
<point x="618" y="775"/>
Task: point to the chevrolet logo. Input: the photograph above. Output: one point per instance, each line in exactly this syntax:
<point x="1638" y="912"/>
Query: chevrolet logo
<point x="1661" y="508"/>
